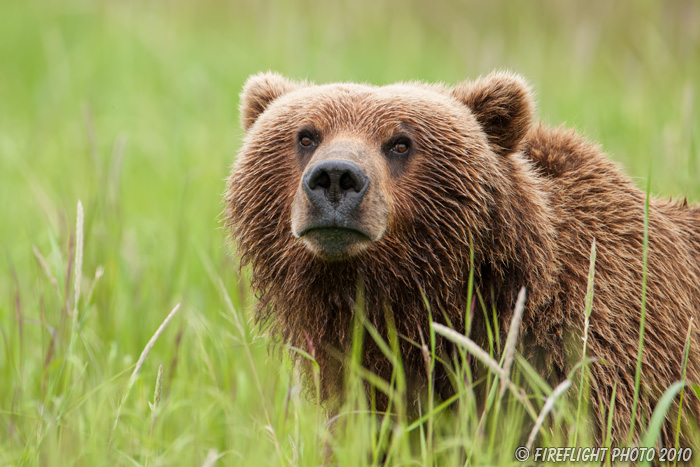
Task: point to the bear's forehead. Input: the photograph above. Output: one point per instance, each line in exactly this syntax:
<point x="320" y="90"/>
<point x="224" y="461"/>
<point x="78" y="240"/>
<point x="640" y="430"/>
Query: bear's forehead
<point x="375" y="107"/>
<point x="376" y="97"/>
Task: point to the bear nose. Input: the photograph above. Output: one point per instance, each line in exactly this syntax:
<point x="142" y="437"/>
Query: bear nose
<point x="337" y="182"/>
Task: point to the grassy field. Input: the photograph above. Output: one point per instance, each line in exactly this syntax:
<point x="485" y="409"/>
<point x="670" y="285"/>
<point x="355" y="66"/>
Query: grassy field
<point x="131" y="108"/>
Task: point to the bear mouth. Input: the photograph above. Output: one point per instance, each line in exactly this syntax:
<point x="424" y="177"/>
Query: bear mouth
<point x="335" y="243"/>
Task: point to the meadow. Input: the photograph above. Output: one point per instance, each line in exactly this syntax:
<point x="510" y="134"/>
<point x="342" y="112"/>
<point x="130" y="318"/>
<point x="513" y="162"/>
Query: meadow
<point x="118" y="127"/>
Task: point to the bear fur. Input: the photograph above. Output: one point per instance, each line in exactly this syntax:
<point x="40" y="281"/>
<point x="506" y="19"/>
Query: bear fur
<point x="481" y="185"/>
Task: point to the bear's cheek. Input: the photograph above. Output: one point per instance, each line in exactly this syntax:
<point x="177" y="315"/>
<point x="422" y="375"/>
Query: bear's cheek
<point x="303" y="213"/>
<point x="374" y="214"/>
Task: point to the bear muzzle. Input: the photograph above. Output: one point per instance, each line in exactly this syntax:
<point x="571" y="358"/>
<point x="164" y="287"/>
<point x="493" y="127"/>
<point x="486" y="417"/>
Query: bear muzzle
<point x="335" y="211"/>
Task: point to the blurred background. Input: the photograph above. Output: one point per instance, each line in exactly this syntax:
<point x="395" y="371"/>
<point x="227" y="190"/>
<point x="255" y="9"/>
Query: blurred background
<point x="132" y="107"/>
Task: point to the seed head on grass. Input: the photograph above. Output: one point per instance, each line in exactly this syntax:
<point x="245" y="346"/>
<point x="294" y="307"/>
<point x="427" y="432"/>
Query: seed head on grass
<point x="159" y="387"/>
<point x="151" y="343"/>
<point x="212" y="456"/>
<point x="156" y="396"/>
<point x="45" y="267"/>
<point x="483" y="356"/>
<point x="139" y="364"/>
<point x="548" y="406"/>
<point x="512" y="339"/>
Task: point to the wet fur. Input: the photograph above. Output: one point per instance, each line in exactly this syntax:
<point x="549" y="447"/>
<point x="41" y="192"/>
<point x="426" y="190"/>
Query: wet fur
<point x="530" y="201"/>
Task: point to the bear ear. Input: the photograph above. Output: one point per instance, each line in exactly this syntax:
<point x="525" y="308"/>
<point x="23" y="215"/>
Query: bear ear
<point x="502" y="104"/>
<point x="259" y="92"/>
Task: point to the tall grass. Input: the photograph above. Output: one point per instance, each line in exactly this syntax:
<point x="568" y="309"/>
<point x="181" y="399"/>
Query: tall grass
<point x="131" y="107"/>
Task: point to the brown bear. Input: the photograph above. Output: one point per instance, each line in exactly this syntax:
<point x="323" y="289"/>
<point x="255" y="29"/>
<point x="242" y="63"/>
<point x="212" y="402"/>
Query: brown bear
<point x="407" y="188"/>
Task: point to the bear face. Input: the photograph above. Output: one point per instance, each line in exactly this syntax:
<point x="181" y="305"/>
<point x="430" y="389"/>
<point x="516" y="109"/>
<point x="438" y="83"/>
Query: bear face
<point x="358" y="155"/>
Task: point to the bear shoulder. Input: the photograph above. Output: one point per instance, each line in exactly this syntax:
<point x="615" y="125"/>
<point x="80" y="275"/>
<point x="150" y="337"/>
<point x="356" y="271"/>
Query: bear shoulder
<point x="561" y="152"/>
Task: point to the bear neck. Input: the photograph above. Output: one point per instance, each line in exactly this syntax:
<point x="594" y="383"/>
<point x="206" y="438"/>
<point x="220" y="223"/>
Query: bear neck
<point x="519" y="245"/>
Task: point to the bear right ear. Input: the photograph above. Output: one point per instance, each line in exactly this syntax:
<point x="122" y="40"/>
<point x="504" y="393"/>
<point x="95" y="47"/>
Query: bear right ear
<point x="502" y="104"/>
<point x="259" y="92"/>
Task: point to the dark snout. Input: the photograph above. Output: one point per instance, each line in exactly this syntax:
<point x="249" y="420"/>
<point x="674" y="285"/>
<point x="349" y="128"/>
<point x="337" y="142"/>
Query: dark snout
<point x="339" y="208"/>
<point x="336" y="185"/>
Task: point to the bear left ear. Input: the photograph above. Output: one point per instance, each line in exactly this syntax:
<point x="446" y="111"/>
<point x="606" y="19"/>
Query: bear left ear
<point x="259" y="92"/>
<point x="502" y="104"/>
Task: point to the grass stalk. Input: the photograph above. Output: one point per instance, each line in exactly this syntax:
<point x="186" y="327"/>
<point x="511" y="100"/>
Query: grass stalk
<point x="642" y="313"/>
<point x="587" y="311"/>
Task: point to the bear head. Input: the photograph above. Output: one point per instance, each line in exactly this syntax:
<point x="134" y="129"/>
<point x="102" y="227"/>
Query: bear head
<point x="407" y="188"/>
<point x="357" y="155"/>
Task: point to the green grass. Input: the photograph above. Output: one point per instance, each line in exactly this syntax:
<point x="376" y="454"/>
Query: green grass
<point x="131" y="108"/>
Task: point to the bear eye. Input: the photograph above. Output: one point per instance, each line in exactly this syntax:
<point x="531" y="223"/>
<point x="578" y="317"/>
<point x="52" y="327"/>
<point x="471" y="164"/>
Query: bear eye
<point x="400" y="146"/>
<point x="306" y="140"/>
